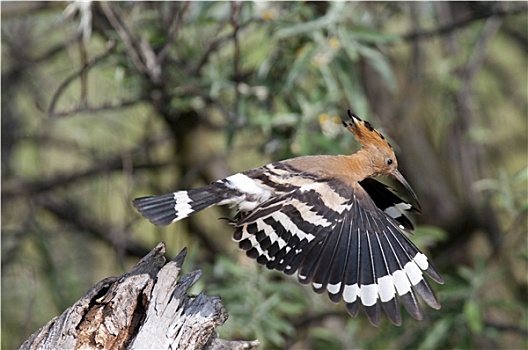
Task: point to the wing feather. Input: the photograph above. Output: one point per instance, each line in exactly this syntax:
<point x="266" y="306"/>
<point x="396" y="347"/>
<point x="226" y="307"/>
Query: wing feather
<point x="336" y="281"/>
<point x="386" y="289"/>
<point x="343" y="243"/>
<point x="327" y="262"/>
<point x="389" y="202"/>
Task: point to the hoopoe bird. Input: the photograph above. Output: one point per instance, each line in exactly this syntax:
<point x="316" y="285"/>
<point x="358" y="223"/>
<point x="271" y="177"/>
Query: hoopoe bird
<point x="326" y="218"/>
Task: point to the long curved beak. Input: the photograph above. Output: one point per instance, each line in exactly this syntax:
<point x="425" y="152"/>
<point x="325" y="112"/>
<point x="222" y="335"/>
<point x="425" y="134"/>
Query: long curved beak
<point x="398" y="176"/>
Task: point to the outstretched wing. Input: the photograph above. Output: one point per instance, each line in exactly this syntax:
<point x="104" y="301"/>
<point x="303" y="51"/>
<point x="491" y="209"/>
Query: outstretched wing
<point x="385" y="199"/>
<point x="338" y="240"/>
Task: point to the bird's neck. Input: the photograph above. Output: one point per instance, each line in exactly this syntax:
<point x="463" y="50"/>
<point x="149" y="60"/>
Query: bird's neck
<point x="350" y="169"/>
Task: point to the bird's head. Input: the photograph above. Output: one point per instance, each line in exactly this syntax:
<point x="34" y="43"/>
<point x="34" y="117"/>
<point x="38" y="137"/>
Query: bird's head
<point x="377" y="152"/>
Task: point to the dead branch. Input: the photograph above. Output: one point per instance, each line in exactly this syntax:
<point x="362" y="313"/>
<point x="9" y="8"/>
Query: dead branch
<point x="146" y="308"/>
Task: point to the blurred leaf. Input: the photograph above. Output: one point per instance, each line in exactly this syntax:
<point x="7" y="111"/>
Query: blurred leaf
<point x="353" y="91"/>
<point x="256" y="301"/>
<point x="325" y="338"/>
<point x="379" y="63"/>
<point x="473" y="315"/>
<point x="428" y="236"/>
<point x="436" y="336"/>
<point x="373" y="37"/>
<point x="299" y="66"/>
<point x="331" y="18"/>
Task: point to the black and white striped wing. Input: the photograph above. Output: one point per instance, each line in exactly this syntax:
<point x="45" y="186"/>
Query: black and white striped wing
<point x="340" y="241"/>
<point x="385" y="199"/>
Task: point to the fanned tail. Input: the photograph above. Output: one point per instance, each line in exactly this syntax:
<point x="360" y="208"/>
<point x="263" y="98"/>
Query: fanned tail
<point x="167" y="208"/>
<point x="238" y="190"/>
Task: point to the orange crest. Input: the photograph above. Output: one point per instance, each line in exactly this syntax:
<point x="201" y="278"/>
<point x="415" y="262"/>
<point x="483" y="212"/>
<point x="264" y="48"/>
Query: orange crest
<point x="365" y="133"/>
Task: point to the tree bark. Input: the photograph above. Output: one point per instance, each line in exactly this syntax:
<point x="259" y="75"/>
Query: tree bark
<point x="146" y="308"/>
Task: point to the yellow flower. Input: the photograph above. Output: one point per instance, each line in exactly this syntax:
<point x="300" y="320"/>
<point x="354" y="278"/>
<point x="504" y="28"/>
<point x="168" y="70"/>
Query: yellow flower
<point x="270" y="14"/>
<point x="323" y="118"/>
<point x="334" y="43"/>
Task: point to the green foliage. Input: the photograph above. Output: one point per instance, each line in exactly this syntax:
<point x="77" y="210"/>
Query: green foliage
<point x="451" y="99"/>
<point x="261" y="303"/>
<point x="510" y="192"/>
<point x="464" y="305"/>
<point x="428" y="236"/>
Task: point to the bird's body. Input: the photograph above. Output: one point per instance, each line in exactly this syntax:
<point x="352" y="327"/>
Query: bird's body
<point x="327" y="218"/>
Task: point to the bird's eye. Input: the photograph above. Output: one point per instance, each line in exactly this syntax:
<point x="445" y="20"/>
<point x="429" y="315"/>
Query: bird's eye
<point x="389" y="161"/>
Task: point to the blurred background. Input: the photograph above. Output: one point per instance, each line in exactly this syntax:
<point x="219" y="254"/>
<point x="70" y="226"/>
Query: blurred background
<point x="104" y="102"/>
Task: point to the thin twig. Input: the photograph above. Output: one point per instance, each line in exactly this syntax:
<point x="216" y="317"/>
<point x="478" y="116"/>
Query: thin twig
<point x="445" y="29"/>
<point x="176" y="25"/>
<point x="31" y="188"/>
<point x="58" y="48"/>
<point x="71" y="212"/>
<point x="84" y="73"/>
<point x="110" y="47"/>
<point x="215" y="44"/>
<point x="237" y="75"/>
<point x="95" y="109"/>
<point x="491" y="27"/>
<point x="212" y="48"/>
<point x="131" y="43"/>
<point x="508" y="328"/>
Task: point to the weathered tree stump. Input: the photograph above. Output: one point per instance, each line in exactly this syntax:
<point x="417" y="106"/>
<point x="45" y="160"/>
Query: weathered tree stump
<point x="146" y="308"/>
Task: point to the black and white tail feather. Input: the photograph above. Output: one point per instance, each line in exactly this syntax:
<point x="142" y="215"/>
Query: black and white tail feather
<point x="346" y="240"/>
